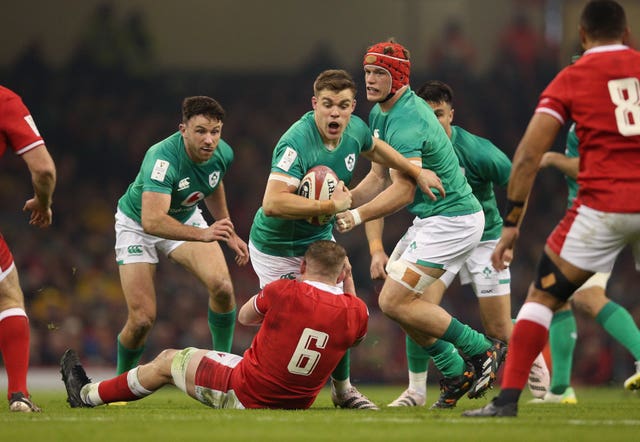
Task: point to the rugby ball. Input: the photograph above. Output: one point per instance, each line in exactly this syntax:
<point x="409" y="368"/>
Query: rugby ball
<point x="318" y="184"/>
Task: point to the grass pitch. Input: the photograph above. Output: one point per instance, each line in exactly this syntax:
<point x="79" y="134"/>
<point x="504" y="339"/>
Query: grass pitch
<point x="609" y="414"/>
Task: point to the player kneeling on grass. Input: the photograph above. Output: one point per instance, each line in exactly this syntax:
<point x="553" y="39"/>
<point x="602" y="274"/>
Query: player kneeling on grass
<point x="307" y="326"/>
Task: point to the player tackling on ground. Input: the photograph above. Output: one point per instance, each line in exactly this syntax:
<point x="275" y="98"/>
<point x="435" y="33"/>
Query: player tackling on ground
<point x="306" y="327"/>
<point x="605" y="216"/>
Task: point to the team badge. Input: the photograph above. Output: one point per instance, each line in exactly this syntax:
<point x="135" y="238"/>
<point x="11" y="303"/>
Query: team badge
<point x="214" y="178"/>
<point x="350" y="161"/>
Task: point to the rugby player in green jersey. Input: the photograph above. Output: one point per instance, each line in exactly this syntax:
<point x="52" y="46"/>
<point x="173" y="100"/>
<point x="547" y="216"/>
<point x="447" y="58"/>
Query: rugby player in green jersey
<point x="444" y="232"/>
<point x="328" y="135"/>
<point x="159" y="214"/>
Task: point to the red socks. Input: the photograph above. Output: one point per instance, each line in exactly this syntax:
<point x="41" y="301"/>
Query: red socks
<point x="527" y="341"/>
<point x="14" y="345"/>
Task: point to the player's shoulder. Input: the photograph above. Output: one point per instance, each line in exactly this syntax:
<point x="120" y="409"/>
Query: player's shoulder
<point x="225" y="150"/>
<point x="6" y="93"/>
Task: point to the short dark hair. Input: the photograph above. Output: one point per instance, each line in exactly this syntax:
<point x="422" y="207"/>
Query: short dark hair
<point x="435" y="91"/>
<point x="603" y="20"/>
<point x="201" y="105"/>
<point x="335" y="80"/>
<point x="326" y="258"/>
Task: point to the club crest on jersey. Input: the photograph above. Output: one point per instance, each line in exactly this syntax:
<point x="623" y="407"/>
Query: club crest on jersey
<point x="350" y="161"/>
<point x="183" y="184"/>
<point x="192" y="199"/>
<point x="214" y="178"/>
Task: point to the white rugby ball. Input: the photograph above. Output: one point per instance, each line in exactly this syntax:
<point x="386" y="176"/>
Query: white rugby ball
<point x="318" y="184"/>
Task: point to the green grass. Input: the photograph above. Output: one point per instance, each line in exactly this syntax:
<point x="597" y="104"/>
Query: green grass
<point x="609" y="414"/>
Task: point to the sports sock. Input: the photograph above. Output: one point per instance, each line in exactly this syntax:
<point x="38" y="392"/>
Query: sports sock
<point x="619" y="323"/>
<point x="127" y="357"/>
<point x="529" y="337"/>
<point x="222" y="326"/>
<point x="124" y="387"/>
<point x="465" y="338"/>
<point x="340" y="375"/>
<point x="446" y="358"/>
<point x="418" y="364"/>
<point x="562" y="341"/>
<point x="14" y="346"/>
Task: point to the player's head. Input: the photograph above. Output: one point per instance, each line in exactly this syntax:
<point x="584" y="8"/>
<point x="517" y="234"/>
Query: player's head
<point x="602" y="22"/>
<point x="324" y="260"/>
<point x="387" y="67"/>
<point x="201" y="127"/>
<point x="333" y="102"/>
<point x="439" y="97"/>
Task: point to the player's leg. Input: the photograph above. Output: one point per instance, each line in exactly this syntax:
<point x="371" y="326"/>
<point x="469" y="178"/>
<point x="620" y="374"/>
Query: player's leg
<point x="206" y="261"/>
<point x="530" y="334"/>
<point x="137" y="257"/>
<point x="139" y="292"/>
<point x="14" y="334"/>
<point x="615" y="319"/>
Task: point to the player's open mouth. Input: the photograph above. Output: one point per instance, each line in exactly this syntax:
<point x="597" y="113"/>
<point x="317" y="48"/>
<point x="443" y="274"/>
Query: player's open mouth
<point x="334" y="127"/>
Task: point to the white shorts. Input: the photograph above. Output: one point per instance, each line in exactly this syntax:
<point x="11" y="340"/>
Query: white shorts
<point x="211" y="380"/>
<point x="270" y="268"/>
<point x="134" y="245"/>
<point x="479" y="272"/>
<point x="443" y="242"/>
<point x="597" y="280"/>
<point x="592" y="240"/>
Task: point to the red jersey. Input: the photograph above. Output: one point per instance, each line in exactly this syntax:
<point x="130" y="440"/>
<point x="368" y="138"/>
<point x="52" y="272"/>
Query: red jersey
<point x="307" y="328"/>
<point x="601" y="93"/>
<point x="17" y="128"/>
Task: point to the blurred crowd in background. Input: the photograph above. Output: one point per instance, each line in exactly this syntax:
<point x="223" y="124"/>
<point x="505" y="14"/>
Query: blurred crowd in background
<point x="99" y="114"/>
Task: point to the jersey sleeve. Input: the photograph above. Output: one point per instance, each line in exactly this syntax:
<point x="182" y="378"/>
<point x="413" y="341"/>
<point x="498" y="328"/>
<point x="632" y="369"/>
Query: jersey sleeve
<point x="18" y="126"/>
<point x="286" y="159"/>
<point x="158" y="173"/>
<point x="554" y="98"/>
<point x="363" y="312"/>
<point x="364" y="133"/>
<point x="270" y="291"/>
<point x="495" y="165"/>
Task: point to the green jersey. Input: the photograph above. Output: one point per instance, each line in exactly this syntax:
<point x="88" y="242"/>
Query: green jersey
<point x="412" y="128"/>
<point x="166" y="168"/>
<point x="571" y="151"/>
<point x="298" y="150"/>
<point x="484" y="166"/>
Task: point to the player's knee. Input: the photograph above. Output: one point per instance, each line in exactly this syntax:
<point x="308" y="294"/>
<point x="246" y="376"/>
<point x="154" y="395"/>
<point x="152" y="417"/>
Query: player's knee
<point x="551" y="280"/>
<point x="140" y="324"/>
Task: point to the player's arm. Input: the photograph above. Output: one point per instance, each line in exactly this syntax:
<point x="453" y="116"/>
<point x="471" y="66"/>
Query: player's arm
<point x="372" y="184"/>
<point x="248" y="314"/>
<point x="43" y="178"/>
<point x="568" y="166"/>
<point x="537" y="139"/>
<point x="399" y="194"/>
<point x="217" y="205"/>
<point x="156" y="221"/>
<point x="374" y="229"/>
<point x="281" y="200"/>
<point x="382" y="153"/>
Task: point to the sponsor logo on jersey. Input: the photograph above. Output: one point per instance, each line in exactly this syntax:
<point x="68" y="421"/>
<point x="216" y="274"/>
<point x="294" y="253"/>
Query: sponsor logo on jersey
<point x="192" y="199"/>
<point x="350" y="161"/>
<point x="135" y="249"/>
<point x="160" y="169"/>
<point x="214" y="178"/>
<point x="486" y="292"/>
<point x="32" y="124"/>
<point x="376" y="133"/>
<point x="287" y="159"/>
<point x="183" y="184"/>
<point x="290" y="275"/>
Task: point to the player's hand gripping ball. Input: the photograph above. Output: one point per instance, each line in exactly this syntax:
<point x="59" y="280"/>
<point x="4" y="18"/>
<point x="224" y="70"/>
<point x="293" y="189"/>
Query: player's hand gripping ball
<point x="318" y="184"/>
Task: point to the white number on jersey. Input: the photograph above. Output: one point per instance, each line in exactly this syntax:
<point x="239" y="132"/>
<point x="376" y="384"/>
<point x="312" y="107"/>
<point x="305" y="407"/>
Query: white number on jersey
<point x="304" y="360"/>
<point x="625" y="94"/>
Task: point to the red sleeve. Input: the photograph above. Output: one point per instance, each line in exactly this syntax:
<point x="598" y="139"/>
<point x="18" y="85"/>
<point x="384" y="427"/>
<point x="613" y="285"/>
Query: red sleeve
<point x="17" y="125"/>
<point x="555" y="98"/>
<point x="268" y="293"/>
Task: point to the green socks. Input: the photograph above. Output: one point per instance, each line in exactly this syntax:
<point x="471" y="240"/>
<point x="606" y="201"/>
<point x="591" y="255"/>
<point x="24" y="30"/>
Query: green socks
<point x="465" y="338"/>
<point x="446" y="358"/>
<point x="562" y="340"/>
<point x="222" y="326"/>
<point x="127" y="358"/>
<point x="343" y="369"/>
<point x="619" y="323"/>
